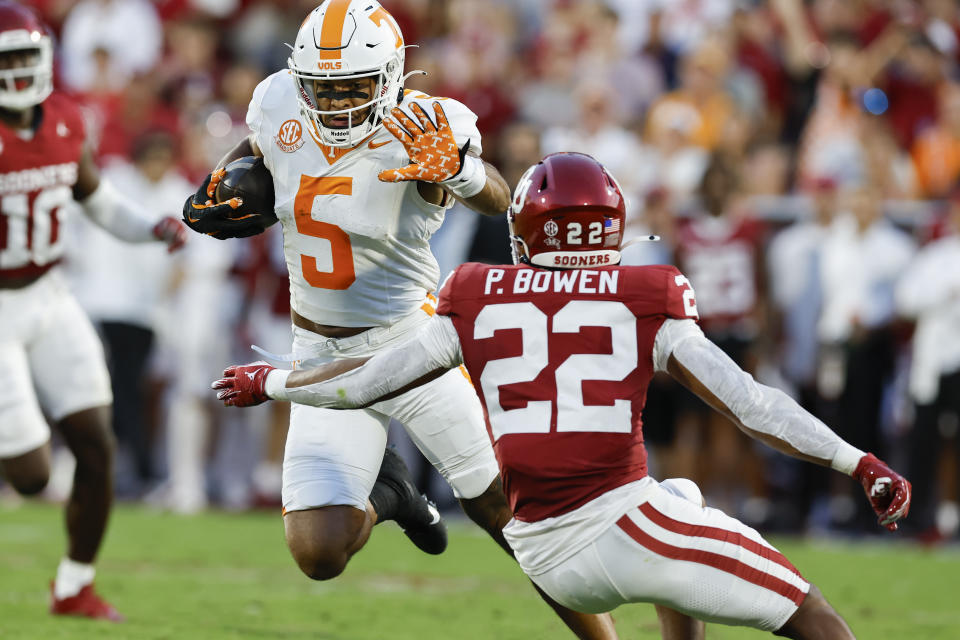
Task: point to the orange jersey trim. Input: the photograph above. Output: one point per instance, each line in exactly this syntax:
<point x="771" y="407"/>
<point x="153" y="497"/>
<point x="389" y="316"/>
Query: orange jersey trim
<point x="332" y="154"/>
<point x="430" y="306"/>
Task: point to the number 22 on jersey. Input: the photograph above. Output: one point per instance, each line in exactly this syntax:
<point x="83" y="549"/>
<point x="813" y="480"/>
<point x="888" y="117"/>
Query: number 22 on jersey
<point x="341" y="274"/>
<point x="572" y="413"/>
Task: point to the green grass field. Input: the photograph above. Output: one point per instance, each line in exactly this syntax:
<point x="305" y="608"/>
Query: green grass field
<point x="230" y="576"/>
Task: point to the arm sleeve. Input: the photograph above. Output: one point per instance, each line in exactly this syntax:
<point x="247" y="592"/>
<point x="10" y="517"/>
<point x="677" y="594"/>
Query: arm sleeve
<point x="758" y="407"/>
<point x="437" y="346"/>
<point x="117" y="214"/>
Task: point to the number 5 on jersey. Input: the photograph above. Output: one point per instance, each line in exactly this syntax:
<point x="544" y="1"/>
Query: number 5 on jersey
<point x="341" y="274"/>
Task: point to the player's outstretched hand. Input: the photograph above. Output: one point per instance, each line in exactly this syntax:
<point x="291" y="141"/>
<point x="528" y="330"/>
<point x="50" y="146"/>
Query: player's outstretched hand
<point x="221" y="220"/>
<point x="433" y="152"/>
<point x="887" y="491"/>
<point x="243" y="385"/>
<point x="171" y="231"/>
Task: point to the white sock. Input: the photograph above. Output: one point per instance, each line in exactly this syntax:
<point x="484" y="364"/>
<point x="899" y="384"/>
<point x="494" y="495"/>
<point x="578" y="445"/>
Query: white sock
<point x="71" y="577"/>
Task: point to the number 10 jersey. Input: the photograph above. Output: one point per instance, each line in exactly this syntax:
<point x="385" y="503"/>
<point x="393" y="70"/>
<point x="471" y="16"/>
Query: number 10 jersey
<point x="562" y="360"/>
<point x="357" y="249"/>
<point x="37" y="174"/>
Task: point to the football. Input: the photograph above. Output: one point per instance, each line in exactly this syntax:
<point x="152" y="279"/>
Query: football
<point x="248" y="178"/>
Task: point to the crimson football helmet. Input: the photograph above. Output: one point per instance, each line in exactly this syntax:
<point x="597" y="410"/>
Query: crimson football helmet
<point x="567" y="212"/>
<point x="26" y="58"/>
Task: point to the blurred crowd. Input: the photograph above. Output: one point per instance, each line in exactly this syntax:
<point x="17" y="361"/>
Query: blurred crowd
<point x="799" y="161"/>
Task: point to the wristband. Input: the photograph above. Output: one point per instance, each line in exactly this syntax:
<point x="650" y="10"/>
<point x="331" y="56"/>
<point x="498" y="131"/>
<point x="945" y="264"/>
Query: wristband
<point x="470" y="180"/>
<point x="276" y="384"/>
<point x="846" y="459"/>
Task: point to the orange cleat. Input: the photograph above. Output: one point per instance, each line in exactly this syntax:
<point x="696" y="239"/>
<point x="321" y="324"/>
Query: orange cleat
<point x="86" y="603"/>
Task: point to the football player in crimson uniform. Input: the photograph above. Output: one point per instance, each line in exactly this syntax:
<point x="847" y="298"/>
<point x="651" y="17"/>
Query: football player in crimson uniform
<point x="562" y="347"/>
<point x="363" y="172"/>
<point x="50" y="356"/>
<point x="721" y="252"/>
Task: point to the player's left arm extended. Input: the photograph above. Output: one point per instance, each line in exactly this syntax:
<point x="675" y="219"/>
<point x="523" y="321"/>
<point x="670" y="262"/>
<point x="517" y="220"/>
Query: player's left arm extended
<point x="771" y="416"/>
<point x="436" y="158"/>
<point x="118" y="214"/>
<point x="348" y="384"/>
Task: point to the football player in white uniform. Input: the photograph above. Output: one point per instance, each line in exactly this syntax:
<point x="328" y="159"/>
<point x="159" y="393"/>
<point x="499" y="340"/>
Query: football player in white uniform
<point x="363" y="172"/>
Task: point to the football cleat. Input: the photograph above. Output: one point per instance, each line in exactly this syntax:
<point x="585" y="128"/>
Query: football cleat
<point x="87" y="603"/>
<point x="417" y="516"/>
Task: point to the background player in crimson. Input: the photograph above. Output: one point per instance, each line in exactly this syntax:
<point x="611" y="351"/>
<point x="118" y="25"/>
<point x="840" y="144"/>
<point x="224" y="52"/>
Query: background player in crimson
<point x="721" y="251"/>
<point x="561" y="358"/>
<point x="50" y="356"/>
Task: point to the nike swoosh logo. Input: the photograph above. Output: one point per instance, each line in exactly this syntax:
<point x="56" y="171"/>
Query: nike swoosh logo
<point x="434" y="513"/>
<point x="380" y="144"/>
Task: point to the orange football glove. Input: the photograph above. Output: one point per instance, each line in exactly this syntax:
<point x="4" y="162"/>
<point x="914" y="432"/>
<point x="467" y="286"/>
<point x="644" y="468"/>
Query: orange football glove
<point x="433" y="151"/>
<point x="434" y="156"/>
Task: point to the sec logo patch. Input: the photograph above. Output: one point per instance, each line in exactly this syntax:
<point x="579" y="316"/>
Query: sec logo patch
<point x="290" y="136"/>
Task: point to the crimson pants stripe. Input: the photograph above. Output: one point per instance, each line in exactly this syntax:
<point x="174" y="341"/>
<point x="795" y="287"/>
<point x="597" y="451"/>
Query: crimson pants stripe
<point x="716" y="533"/>
<point x="715" y="560"/>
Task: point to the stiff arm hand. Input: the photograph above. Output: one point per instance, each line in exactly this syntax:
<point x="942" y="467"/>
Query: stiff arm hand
<point x="434" y="155"/>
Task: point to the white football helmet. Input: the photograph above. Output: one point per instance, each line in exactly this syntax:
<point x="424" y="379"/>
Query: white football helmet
<point x="348" y="39"/>
<point x="22" y="87"/>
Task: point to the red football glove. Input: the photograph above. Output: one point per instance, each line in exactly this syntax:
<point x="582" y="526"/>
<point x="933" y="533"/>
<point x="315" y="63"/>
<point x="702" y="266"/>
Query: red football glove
<point x="244" y="385"/>
<point x="887" y="491"/>
<point x="171" y="231"/>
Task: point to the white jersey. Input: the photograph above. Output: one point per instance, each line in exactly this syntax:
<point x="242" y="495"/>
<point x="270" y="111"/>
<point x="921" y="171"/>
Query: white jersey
<point x="357" y="249"/>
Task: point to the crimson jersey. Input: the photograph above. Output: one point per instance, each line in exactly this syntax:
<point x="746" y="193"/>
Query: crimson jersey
<point x="721" y="257"/>
<point x="36" y="182"/>
<point x="561" y="361"/>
